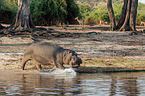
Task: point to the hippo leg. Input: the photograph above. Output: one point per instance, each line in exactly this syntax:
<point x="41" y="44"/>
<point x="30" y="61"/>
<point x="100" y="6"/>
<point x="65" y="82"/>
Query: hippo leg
<point x="38" y="65"/>
<point x="55" y="64"/>
<point x="58" y="65"/>
<point x="56" y="68"/>
<point x="52" y="69"/>
<point x="61" y="66"/>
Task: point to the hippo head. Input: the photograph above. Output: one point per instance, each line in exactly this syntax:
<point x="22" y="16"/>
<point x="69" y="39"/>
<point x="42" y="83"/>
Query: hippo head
<point x="75" y="62"/>
<point x="72" y="59"/>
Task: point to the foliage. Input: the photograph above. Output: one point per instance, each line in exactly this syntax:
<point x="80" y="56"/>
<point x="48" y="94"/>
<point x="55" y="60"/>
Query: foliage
<point x="53" y="12"/>
<point x="100" y="14"/>
<point x="141" y="13"/>
<point x="117" y="7"/>
<point x="45" y="12"/>
<point x="8" y="9"/>
<point x="84" y="9"/>
<point x="9" y="5"/>
<point x="72" y="11"/>
<point x="94" y="15"/>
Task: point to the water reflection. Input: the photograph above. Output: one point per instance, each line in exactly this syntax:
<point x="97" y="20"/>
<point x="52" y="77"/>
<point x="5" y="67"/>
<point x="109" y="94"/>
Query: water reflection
<point x="101" y="84"/>
<point x="37" y="84"/>
<point x="124" y="85"/>
<point x="130" y="88"/>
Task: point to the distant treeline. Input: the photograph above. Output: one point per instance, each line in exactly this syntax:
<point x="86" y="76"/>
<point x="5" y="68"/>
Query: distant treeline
<point x="54" y="12"/>
<point x="93" y="13"/>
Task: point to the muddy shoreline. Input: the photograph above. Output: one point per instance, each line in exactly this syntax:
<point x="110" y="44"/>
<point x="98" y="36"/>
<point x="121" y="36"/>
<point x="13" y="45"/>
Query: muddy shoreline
<point x="96" y="47"/>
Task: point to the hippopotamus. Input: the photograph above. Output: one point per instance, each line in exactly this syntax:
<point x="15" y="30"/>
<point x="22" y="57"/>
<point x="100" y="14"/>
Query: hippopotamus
<point x="44" y="53"/>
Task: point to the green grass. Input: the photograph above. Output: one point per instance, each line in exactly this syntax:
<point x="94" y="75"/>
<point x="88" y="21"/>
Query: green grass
<point x="111" y="61"/>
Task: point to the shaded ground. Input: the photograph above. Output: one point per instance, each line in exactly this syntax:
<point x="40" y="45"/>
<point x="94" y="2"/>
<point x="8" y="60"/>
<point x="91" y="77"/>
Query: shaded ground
<point x="94" y="44"/>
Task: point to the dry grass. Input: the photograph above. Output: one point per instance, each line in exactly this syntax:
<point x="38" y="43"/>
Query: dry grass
<point x="106" y="49"/>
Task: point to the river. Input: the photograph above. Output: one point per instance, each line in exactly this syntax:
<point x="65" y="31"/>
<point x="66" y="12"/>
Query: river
<point x="72" y="84"/>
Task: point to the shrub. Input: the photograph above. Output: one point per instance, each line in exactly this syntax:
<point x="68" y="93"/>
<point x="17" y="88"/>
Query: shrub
<point x="48" y="12"/>
<point x="117" y="9"/>
<point x="140" y="13"/>
<point x="53" y="12"/>
<point x="72" y="11"/>
<point x="8" y="10"/>
<point x="84" y="9"/>
<point x="44" y="12"/>
<point x="94" y="15"/>
<point x="97" y="14"/>
<point x="9" y="5"/>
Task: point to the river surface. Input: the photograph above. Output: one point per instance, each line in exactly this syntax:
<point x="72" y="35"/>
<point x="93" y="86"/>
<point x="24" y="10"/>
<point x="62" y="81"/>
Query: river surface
<point x="72" y="84"/>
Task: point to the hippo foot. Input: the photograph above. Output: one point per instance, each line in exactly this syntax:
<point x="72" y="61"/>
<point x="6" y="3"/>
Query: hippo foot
<point x="52" y="69"/>
<point x="41" y="70"/>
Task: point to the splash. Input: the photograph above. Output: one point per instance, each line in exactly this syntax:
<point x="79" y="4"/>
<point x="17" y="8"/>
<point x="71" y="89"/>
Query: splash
<point x="68" y="71"/>
<point x="59" y="73"/>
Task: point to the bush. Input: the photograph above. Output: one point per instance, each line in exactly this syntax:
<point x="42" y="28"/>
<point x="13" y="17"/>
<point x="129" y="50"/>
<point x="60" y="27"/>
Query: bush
<point x="53" y="12"/>
<point x="84" y="9"/>
<point x="117" y="10"/>
<point x="9" y="5"/>
<point x="8" y="10"/>
<point x="48" y="12"/>
<point x="44" y="12"/>
<point x="72" y="11"/>
<point x="93" y="16"/>
<point x="140" y="13"/>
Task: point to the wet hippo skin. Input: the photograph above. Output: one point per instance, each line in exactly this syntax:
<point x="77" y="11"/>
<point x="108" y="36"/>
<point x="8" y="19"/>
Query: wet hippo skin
<point x="44" y="53"/>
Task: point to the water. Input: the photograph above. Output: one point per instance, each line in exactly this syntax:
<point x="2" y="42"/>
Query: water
<point x="69" y="83"/>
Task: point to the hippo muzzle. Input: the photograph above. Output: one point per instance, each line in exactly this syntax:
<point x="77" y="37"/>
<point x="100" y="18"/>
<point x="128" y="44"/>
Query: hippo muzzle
<point x="75" y="62"/>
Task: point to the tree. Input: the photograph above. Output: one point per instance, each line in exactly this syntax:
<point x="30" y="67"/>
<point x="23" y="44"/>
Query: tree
<point x="111" y="14"/>
<point x="1" y="27"/>
<point x="23" y="19"/>
<point x="127" y="20"/>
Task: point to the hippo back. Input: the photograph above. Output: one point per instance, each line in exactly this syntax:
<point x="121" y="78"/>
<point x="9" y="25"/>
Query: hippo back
<point x="43" y="51"/>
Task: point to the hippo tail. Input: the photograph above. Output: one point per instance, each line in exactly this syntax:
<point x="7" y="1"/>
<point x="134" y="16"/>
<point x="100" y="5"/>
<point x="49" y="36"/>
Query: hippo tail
<point x="27" y="56"/>
<point x="25" y="59"/>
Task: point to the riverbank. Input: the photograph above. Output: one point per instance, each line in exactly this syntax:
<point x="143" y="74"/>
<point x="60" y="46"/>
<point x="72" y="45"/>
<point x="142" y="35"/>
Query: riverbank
<point x="97" y="48"/>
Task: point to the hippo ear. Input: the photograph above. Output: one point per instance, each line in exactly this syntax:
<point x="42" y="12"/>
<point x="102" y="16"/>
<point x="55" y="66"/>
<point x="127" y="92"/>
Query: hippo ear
<point x="69" y="52"/>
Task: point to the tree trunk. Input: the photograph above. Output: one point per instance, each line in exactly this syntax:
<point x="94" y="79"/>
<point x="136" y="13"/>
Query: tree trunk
<point x="123" y="15"/>
<point x="23" y="20"/>
<point x="133" y="14"/>
<point x="127" y="20"/>
<point x="1" y="27"/>
<point x="111" y="14"/>
<point x="126" y="25"/>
